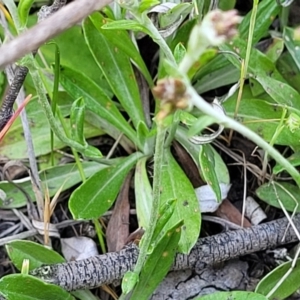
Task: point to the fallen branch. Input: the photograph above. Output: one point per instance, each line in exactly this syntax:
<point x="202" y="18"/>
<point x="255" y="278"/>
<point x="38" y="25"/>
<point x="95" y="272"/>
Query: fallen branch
<point x="104" y="269"/>
<point x="63" y="19"/>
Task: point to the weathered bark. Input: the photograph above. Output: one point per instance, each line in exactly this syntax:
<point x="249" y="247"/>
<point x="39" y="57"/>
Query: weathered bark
<point x="102" y="269"/>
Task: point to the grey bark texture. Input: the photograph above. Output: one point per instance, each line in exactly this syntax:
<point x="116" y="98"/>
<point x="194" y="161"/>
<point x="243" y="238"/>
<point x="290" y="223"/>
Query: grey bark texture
<point x="103" y="269"/>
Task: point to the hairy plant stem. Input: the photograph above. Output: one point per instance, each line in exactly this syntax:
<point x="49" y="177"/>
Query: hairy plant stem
<point x="158" y="162"/>
<point x="206" y="108"/>
<point x="157" y="38"/>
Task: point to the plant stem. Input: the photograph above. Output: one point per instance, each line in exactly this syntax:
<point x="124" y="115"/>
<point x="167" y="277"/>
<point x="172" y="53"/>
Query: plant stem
<point x="157" y="38"/>
<point x="206" y="108"/>
<point x="158" y="162"/>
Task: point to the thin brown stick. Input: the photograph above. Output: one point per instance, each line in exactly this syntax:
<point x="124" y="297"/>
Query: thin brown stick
<point x="103" y="269"/>
<point x="47" y="29"/>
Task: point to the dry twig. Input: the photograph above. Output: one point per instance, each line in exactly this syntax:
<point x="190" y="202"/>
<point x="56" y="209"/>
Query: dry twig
<point x="47" y="29"/>
<point x="103" y="269"/>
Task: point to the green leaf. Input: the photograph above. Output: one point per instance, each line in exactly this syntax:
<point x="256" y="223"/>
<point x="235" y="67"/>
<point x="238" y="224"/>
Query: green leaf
<point x="179" y="52"/>
<point x="14" y="145"/>
<point x="199" y="124"/>
<point x="92" y="152"/>
<point x="292" y="45"/>
<point x="220" y="167"/>
<point x="36" y="253"/>
<point x="143" y="193"/>
<point x="289" y="285"/>
<point x="264" y="71"/>
<point x="74" y="59"/>
<point x="236" y="295"/>
<point x="294" y="160"/>
<point x="96" y="195"/>
<point x="181" y="10"/>
<point x="125" y="25"/>
<point x="165" y="213"/>
<point x="146" y="138"/>
<point x="287" y="193"/>
<point x="266" y="13"/>
<point x="26" y="287"/>
<point x="23" y="10"/>
<point x="77" y="120"/>
<point x="157" y="264"/>
<point x="187" y="205"/>
<point x="182" y="35"/>
<point x="117" y="68"/>
<point x="226" y="4"/>
<point x="263" y="118"/>
<point x="78" y="85"/>
<point x="129" y="281"/>
<point x="275" y="49"/>
<point x="52" y="178"/>
<point x="146" y="5"/>
<point x="204" y="59"/>
<point x="207" y="165"/>
<point x="121" y="39"/>
<point x="214" y="74"/>
<point x="223" y="73"/>
<point x="289" y="70"/>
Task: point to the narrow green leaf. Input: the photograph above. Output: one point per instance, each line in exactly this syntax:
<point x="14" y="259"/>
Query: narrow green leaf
<point x="96" y="195"/>
<point x="157" y="264"/>
<point x="179" y="52"/>
<point x="36" y="253"/>
<point x="23" y="10"/>
<point x="52" y="178"/>
<point x="165" y="213"/>
<point x="207" y="165"/>
<point x="292" y="45"/>
<point x="121" y="39"/>
<point x="236" y="295"/>
<point x="117" y="69"/>
<point x="78" y="85"/>
<point x="129" y="281"/>
<point x="201" y="123"/>
<point x="176" y="185"/>
<point x="290" y="284"/>
<point x="26" y="287"/>
<point x="125" y="25"/>
<point x="77" y="120"/>
<point x="143" y="193"/>
<point x="286" y="192"/>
